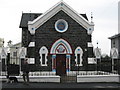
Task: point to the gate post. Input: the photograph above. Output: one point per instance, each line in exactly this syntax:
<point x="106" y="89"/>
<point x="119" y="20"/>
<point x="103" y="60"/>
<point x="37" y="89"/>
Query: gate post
<point x="22" y="55"/>
<point x="97" y="53"/>
<point x="114" y="55"/>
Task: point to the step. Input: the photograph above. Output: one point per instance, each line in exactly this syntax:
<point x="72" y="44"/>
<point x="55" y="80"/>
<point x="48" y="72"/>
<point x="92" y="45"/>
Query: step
<point x="68" y="79"/>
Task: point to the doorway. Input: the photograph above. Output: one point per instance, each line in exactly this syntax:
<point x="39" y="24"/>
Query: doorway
<point x="61" y="64"/>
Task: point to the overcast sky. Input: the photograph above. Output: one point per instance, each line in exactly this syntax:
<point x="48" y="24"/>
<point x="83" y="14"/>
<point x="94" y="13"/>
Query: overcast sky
<point x="105" y="17"/>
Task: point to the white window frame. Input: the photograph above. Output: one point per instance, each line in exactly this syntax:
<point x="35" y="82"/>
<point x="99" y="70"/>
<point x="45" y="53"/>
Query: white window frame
<point x="79" y="50"/>
<point x="43" y="50"/>
<point x="66" y="25"/>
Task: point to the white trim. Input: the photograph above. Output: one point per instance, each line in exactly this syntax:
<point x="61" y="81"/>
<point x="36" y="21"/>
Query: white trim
<point x="79" y="50"/>
<point x="91" y="61"/>
<point x="53" y="58"/>
<point x="90" y="44"/>
<point x="31" y="60"/>
<point x="97" y="78"/>
<point x="57" y="43"/>
<point x="31" y="44"/>
<point x="68" y="57"/>
<point x="55" y="9"/>
<point x="43" y="50"/>
<point x="90" y="30"/>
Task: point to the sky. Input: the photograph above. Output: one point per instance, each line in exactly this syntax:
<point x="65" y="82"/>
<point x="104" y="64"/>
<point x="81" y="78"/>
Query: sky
<point x="105" y="18"/>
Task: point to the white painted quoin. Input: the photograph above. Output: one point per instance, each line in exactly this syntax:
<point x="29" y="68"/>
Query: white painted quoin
<point x="33" y="25"/>
<point x="92" y="61"/>
<point x="31" y="44"/>
<point x="90" y="44"/>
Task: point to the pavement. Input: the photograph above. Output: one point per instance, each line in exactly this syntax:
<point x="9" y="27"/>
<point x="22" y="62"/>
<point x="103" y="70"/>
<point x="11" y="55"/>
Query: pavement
<point x="33" y="85"/>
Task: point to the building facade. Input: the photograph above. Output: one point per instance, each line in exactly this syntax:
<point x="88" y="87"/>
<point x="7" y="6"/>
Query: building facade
<point x="115" y="39"/>
<point x="59" y="40"/>
<point x="14" y="53"/>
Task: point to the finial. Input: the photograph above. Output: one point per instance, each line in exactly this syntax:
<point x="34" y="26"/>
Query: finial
<point x="61" y="2"/>
<point x="91" y="17"/>
<point x="30" y="15"/>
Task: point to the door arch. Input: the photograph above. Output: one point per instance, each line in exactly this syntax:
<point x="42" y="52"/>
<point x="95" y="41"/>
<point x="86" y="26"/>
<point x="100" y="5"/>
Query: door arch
<point x="61" y="49"/>
<point x="62" y="42"/>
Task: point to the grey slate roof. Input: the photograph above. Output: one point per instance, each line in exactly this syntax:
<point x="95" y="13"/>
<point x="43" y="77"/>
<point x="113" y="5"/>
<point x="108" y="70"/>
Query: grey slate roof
<point x="28" y="17"/>
<point x="115" y="36"/>
<point x="31" y="16"/>
<point x="85" y="16"/>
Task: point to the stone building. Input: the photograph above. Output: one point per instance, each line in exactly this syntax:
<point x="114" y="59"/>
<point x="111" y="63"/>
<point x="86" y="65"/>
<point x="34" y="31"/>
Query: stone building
<point x="59" y="40"/>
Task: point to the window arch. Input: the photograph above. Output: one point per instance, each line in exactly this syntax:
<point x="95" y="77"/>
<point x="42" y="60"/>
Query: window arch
<point x="78" y="55"/>
<point x="43" y="55"/>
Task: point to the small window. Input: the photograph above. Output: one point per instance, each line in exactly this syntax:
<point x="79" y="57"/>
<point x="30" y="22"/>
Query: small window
<point x="78" y="58"/>
<point x="14" y="54"/>
<point x="78" y="55"/>
<point x="43" y="58"/>
<point x="43" y="55"/>
<point x="114" y="43"/>
<point x="61" y="25"/>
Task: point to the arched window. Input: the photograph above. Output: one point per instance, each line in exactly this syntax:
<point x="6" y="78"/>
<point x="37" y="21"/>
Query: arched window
<point x="43" y="55"/>
<point x="78" y="55"/>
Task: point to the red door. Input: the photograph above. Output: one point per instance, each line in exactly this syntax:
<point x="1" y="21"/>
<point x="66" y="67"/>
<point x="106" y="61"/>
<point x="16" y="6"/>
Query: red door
<point x="61" y="64"/>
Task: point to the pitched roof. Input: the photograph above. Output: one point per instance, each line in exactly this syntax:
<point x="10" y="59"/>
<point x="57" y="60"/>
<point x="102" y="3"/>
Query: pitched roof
<point x="115" y="36"/>
<point x="33" y="25"/>
<point x="28" y="17"/>
<point x="31" y="16"/>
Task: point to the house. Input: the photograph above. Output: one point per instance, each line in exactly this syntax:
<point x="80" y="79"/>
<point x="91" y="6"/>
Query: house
<point x="14" y="53"/>
<point x="115" y="46"/>
<point x="115" y="39"/>
<point x="59" y="40"/>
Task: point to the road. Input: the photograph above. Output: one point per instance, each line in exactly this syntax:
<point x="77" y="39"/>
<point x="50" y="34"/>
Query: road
<point x="20" y="85"/>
